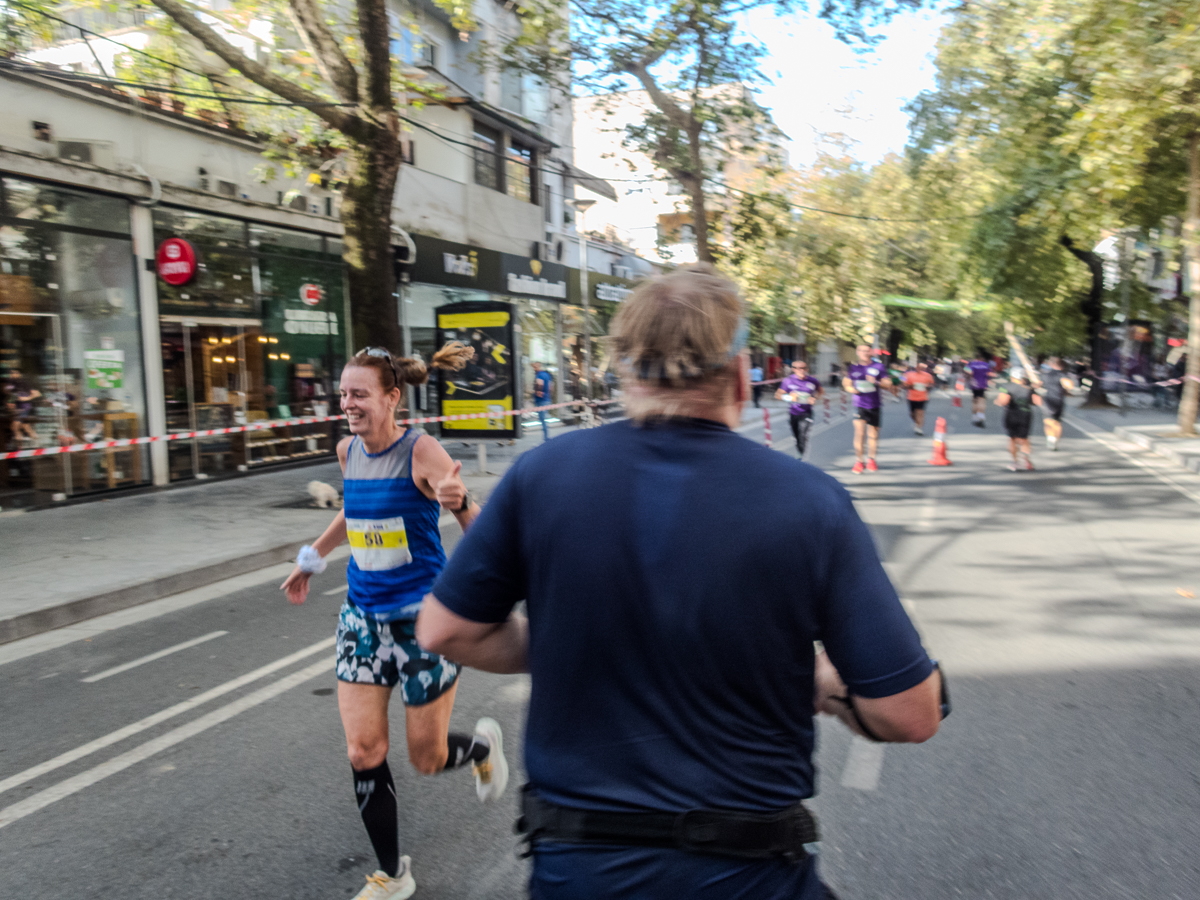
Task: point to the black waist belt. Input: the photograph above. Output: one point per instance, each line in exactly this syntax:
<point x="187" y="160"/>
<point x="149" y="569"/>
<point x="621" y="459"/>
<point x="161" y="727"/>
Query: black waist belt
<point x="780" y="835"/>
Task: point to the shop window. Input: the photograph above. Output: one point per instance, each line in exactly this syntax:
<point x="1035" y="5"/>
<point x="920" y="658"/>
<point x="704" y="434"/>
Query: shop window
<point x="70" y="344"/>
<point x="35" y="202"/>
<point x="224" y="282"/>
<point x="520" y="173"/>
<point x="488" y="171"/>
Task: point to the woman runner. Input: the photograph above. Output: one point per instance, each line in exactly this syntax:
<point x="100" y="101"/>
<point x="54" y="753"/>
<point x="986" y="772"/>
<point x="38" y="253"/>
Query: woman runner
<point x="1018" y="399"/>
<point x="396" y="482"/>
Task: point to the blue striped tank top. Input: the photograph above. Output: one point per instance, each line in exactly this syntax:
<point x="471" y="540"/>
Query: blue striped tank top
<point x="395" y="545"/>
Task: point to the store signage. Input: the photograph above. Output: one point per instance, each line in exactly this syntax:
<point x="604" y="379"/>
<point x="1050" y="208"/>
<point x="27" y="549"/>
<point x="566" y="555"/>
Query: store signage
<point x="461" y="264"/>
<point x="535" y="286"/>
<point x="613" y="293"/>
<point x="312" y="294"/>
<point x="309" y="321"/>
<point x="176" y="261"/>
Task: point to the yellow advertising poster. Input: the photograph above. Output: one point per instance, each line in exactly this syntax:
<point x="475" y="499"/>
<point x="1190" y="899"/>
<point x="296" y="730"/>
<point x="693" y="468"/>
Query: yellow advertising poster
<point x="473" y="320"/>
<point x="495" y="422"/>
<point x="485" y="383"/>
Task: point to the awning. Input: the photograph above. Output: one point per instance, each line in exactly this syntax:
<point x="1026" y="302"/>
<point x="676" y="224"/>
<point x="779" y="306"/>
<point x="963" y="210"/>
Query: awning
<point x="593" y="183"/>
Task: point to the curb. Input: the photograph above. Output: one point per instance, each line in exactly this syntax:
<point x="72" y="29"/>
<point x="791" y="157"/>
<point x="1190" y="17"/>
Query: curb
<point x="28" y="624"/>
<point x="1165" y="449"/>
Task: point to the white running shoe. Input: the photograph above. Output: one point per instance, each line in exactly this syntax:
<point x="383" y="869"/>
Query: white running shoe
<point x="381" y="887"/>
<point x="491" y="775"/>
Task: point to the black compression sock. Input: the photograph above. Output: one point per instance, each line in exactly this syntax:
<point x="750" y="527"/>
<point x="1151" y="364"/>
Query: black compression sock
<point x="465" y="748"/>
<point x="377" y="802"/>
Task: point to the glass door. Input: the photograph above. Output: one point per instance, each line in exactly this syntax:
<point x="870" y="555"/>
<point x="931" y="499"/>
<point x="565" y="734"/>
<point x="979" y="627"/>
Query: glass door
<point x="37" y="405"/>
<point x="213" y="378"/>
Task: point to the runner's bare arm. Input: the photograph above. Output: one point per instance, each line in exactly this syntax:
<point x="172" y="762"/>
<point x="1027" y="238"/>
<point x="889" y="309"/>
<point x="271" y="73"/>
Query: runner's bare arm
<point x="296" y="584"/>
<point x="501" y="647"/>
<point x="1002" y="400"/>
<point x="437" y="477"/>
<point x="848" y="385"/>
<point x="910" y="717"/>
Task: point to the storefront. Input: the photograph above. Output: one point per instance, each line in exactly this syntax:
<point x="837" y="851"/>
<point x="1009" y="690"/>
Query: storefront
<point x="70" y="342"/>
<point x="257" y="332"/>
<point x="252" y="326"/>
<point x="547" y="304"/>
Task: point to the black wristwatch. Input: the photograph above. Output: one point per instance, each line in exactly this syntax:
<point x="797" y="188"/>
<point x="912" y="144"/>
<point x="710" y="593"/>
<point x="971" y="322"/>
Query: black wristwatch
<point x="466" y="504"/>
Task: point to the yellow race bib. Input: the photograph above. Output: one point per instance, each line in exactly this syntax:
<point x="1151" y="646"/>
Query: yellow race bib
<point x="378" y="544"/>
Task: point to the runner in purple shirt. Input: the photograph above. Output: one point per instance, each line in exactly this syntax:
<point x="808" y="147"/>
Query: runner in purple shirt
<point x="980" y="372"/>
<point x="803" y="390"/>
<point x="864" y="380"/>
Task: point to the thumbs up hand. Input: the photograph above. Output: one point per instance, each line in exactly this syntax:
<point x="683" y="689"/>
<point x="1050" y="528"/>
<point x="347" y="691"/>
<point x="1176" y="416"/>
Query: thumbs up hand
<point x="450" y="491"/>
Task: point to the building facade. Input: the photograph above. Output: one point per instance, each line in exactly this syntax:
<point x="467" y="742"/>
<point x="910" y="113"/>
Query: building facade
<point x="107" y="199"/>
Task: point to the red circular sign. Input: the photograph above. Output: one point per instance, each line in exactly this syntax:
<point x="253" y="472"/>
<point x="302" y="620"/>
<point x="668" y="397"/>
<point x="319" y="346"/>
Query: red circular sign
<point x="176" y="261"/>
<point x="311" y="294"/>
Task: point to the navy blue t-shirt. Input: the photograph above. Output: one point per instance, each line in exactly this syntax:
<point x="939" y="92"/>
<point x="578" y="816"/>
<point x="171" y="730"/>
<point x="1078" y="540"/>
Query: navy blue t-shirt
<point x="676" y="576"/>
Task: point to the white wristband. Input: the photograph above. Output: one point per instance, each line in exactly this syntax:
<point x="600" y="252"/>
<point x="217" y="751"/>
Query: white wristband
<point x="310" y="561"/>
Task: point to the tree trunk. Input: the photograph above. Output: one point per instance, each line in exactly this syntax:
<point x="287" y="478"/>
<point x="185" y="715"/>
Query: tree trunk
<point x="1191" y="386"/>
<point x="1093" y="308"/>
<point x="366" y="216"/>
<point x="696" y="188"/>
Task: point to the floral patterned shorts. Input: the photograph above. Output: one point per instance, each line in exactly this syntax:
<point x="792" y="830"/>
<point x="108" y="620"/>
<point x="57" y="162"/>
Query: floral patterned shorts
<point x="387" y="653"/>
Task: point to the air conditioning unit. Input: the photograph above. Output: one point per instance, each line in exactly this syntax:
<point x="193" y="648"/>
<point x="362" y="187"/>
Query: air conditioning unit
<point x="543" y="251"/>
<point x="97" y="153"/>
<point x="227" y="189"/>
<point x="623" y="272"/>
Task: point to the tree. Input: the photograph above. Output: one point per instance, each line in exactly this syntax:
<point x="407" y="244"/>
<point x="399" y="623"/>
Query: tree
<point x="695" y="68"/>
<point x="1083" y="117"/>
<point x="356" y="99"/>
<point x="1138" y="136"/>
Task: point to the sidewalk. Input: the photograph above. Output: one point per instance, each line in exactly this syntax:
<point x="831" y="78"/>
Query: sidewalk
<point x="1153" y="429"/>
<point x="75" y="562"/>
<point x="71" y="563"/>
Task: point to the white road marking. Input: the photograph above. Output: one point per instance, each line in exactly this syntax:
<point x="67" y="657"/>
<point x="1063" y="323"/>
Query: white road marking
<point x="928" y="510"/>
<point x="336" y="590"/>
<point x="864" y="765"/>
<point x="1110" y="442"/>
<point x="73" y="785"/>
<point x="517" y="691"/>
<point x="169" y="713"/>
<point x="133" y="664"/>
<point x="82" y="631"/>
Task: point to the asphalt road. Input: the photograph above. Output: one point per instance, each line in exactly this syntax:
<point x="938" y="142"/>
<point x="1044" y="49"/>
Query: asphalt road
<point x="1056" y="601"/>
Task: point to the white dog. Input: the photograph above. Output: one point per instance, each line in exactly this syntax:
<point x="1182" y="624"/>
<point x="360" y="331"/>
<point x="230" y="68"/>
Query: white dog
<point x="326" y="495"/>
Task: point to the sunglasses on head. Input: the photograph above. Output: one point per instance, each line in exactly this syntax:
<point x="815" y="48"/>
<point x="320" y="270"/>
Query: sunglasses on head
<point x="380" y="353"/>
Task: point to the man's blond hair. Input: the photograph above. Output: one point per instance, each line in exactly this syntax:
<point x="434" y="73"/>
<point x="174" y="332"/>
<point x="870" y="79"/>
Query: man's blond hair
<point x="673" y="339"/>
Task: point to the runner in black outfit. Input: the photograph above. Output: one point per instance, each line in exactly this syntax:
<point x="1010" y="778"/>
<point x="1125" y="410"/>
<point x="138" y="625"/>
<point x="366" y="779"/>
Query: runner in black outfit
<point x="1018" y="399"/>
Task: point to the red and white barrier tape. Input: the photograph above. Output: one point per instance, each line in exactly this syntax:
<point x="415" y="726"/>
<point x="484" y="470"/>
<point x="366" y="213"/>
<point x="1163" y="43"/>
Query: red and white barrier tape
<point x="277" y="423"/>
<point x="767" y="426"/>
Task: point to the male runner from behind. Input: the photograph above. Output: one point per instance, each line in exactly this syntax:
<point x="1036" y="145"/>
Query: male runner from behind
<point x="979" y="370"/>
<point x="918" y="381"/>
<point x="397" y="481"/>
<point x="1058" y="386"/>
<point x="802" y="390"/>
<point x="863" y="380"/>
<point x="670" y="729"/>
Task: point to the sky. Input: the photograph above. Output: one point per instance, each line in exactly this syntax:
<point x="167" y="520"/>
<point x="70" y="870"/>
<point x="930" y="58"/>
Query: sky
<point x="821" y="85"/>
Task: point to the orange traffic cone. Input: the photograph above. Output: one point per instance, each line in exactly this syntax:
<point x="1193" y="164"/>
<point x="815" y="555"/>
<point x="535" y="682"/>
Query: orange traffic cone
<point x="939" y="444"/>
<point x="957" y="401"/>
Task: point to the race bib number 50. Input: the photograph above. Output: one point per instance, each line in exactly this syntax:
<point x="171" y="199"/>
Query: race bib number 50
<point x="378" y="544"/>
